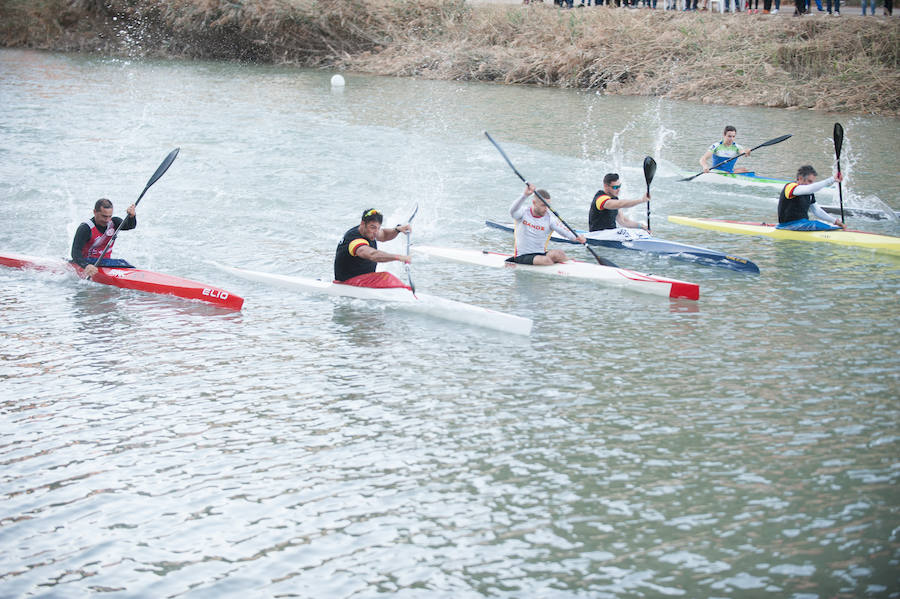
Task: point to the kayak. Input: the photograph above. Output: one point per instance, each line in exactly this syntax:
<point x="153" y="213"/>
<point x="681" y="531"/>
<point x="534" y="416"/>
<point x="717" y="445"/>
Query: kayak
<point x="830" y="192"/>
<point x="132" y="278"/>
<point x="879" y="243"/>
<point x="640" y="240"/>
<point x="399" y="296"/>
<point x="609" y="275"/>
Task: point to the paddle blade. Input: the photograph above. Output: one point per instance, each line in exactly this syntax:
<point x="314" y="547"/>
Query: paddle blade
<point x="838" y="139"/>
<point x="415" y="211"/>
<point x="649" y="170"/>
<point x="772" y="142"/>
<point x="166" y="163"/>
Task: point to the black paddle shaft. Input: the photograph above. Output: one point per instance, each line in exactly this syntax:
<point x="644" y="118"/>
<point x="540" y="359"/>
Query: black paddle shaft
<point x="838" y="143"/>
<point x="160" y="171"/>
<point x="649" y="173"/>
<point x="771" y="142"/>
<point x="601" y="261"/>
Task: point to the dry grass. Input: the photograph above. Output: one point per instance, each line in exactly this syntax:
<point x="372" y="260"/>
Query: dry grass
<point x="847" y="65"/>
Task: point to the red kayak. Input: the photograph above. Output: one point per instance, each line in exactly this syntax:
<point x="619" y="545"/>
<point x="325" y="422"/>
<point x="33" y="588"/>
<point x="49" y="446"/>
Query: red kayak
<point x="133" y="278"/>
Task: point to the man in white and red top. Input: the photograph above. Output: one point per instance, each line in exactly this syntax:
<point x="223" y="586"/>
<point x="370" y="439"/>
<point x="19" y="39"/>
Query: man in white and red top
<point x="534" y="226"/>
<point x="92" y="236"/>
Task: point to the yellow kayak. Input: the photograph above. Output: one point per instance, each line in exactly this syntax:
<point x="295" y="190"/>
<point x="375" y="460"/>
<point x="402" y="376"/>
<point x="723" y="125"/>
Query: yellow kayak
<point x="874" y="241"/>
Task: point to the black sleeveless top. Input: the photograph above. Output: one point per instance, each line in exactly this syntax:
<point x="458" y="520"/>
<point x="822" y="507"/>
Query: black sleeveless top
<point x="347" y="266"/>
<point x="794" y="207"/>
<point x="600" y="219"/>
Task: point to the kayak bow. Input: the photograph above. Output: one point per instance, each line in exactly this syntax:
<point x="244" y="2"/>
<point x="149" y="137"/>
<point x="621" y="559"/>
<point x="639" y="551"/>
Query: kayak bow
<point x="618" y="277"/>
<point x="639" y="240"/>
<point x="132" y="278"/>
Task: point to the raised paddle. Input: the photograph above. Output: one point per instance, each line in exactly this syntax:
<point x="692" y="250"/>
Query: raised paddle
<point x="163" y="167"/>
<point x="601" y="261"/>
<point x="771" y="142"/>
<point x="838" y="142"/>
<point x="412" y="287"/>
<point x="649" y="172"/>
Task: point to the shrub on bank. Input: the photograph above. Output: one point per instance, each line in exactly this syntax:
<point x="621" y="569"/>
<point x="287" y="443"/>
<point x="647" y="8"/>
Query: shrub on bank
<point x="848" y="64"/>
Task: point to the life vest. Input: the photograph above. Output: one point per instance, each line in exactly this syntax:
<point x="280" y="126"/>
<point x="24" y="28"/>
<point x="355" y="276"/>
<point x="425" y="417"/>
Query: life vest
<point x="791" y="207"/>
<point x="98" y="241"/>
<point x="600" y="218"/>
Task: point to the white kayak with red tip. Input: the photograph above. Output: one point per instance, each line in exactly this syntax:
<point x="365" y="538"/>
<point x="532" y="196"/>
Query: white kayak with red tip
<point x="619" y="277"/>
<point x="385" y="287"/>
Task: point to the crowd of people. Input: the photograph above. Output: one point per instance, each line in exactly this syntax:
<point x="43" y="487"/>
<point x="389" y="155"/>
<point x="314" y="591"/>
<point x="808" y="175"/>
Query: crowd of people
<point x="801" y="7"/>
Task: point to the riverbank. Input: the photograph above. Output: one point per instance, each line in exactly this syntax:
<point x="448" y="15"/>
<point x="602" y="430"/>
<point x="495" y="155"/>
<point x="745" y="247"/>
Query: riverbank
<point x="848" y="64"/>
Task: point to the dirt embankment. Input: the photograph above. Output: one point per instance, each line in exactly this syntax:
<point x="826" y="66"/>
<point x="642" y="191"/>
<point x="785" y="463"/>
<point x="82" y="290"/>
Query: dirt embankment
<point x="850" y="64"/>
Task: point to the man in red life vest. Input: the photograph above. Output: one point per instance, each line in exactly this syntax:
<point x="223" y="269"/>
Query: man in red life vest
<point x="92" y="235"/>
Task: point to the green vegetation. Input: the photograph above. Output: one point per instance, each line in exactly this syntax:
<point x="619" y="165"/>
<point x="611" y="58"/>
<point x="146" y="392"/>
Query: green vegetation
<point x="849" y="64"/>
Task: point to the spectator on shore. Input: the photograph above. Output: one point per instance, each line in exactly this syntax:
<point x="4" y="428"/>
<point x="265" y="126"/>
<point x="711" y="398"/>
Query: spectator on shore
<point x="837" y="7"/>
<point x="871" y="3"/>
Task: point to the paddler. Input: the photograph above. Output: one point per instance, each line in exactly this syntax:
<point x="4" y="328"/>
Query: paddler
<point x="92" y="236"/>
<point x="534" y="226"/>
<point x="358" y="253"/>
<point x="722" y="152"/>
<point x="604" y="212"/>
<point x="799" y="197"/>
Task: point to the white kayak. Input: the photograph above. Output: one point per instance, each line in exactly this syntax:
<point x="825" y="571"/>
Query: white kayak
<point x="619" y="277"/>
<point x="401" y="297"/>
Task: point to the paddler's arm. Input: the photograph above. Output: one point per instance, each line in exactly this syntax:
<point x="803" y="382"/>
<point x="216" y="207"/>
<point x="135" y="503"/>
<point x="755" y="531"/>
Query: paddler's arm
<point x="825" y="217"/>
<point x="367" y="252"/>
<point x="630" y="224"/>
<point x="704" y="161"/>
<point x="388" y="234"/>
<point x="802" y="190"/>
<point x="515" y="211"/>
<point x="82" y="236"/>
<point x="130" y="221"/>
<point x="619" y="204"/>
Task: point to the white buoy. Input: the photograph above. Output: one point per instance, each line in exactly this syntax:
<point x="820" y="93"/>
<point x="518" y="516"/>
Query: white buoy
<point x="337" y="81"/>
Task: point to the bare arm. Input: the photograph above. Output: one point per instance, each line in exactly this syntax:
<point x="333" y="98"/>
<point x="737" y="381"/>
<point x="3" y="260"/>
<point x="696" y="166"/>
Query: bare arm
<point x="367" y="252"/>
<point x="704" y="161"/>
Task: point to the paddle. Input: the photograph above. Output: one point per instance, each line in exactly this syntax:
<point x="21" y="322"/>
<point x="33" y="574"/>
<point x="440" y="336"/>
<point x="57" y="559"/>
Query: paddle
<point x="412" y="287"/>
<point x="771" y="142"/>
<point x="649" y="172"/>
<point x="163" y="167"/>
<point x="838" y="142"/>
<point x="601" y="261"/>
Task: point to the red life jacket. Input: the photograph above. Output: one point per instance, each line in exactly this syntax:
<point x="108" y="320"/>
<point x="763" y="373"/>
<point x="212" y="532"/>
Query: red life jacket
<point x="98" y="241"/>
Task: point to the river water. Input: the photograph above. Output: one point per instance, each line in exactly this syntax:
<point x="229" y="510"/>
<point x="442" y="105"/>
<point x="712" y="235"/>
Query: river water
<point x="745" y="445"/>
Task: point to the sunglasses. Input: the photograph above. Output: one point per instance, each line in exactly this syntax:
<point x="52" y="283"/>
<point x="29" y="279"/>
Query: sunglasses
<point x="616" y="186"/>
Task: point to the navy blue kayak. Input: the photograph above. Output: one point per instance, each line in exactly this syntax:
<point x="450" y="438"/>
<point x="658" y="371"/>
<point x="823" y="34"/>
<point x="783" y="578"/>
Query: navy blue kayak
<point x="629" y="239"/>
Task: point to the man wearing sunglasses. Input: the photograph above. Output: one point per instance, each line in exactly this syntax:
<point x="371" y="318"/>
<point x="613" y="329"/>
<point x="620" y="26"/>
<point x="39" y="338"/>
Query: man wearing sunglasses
<point x="358" y="252"/>
<point x="604" y="212"/>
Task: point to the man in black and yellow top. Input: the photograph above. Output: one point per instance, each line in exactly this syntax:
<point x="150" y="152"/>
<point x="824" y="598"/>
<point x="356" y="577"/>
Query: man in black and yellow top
<point x="604" y="212"/>
<point x="358" y="253"/>
<point x="799" y="197"/>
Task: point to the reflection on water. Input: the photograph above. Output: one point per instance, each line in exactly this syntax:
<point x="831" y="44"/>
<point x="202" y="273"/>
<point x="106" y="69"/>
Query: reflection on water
<point x="741" y="446"/>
